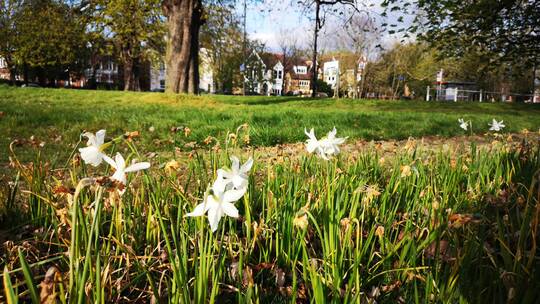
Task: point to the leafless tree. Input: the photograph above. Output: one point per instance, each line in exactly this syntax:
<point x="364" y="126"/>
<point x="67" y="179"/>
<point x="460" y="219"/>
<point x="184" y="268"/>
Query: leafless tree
<point x="341" y="9"/>
<point x="359" y="36"/>
<point x="288" y="49"/>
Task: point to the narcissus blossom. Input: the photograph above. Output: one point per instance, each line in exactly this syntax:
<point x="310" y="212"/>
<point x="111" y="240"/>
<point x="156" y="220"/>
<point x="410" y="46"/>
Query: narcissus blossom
<point x="234" y="178"/>
<point x="326" y="146"/>
<point x="463" y="124"/>
<point x="93" y="154"/>
<point x="331" y="143"/>
<point x="218" y="203"/>
<point x="312" y="144"/>
<point x="119" y="165"/>
<point x="496" y="125"/>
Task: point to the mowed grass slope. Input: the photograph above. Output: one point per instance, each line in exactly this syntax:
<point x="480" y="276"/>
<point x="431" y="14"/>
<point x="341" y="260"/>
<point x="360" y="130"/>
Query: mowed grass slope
<point x="50" y="113"/>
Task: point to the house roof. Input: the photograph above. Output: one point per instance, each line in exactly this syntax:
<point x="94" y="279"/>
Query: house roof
<point x="300" y="76"/>
<point x="271" y="59"/>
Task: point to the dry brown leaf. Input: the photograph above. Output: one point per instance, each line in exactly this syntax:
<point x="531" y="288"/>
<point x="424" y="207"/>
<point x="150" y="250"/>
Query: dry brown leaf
<point x="47" y="294"/>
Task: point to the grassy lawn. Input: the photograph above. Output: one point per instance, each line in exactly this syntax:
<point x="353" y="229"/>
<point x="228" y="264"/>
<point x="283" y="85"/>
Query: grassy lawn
<point x="50" y="113"/>
<point x="379" y="223"/>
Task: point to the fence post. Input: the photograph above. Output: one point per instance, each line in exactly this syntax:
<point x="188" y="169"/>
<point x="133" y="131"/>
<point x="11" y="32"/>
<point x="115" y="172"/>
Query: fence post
<point x="456" y="94"/>
<point x="481" y="96"/>
<point x="427" y="94"/>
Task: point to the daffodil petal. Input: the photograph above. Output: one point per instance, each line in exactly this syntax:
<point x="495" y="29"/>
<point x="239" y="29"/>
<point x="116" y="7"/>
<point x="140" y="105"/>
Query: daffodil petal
<point x="238" y="181"/>
<point x="120" y="161"/>
<point x="246" y="166"/>
<point x="219" y="186"/>
<point x="233" y="195"/>
<point x="110" y="161"/>
<point x="91" y="155"/>
<point x="214" y="216"/>
<point x="311" y="146"/>
<point x="199" y="210"/>
<point x="100" y="137"/>
<point x="235" y="166"/>
<point x="137" y="167"/>
<point x="229" y="209"/>
<point x="120" y="176"/>
<point x="91" y="139"/>
<point x="224" y="173"/>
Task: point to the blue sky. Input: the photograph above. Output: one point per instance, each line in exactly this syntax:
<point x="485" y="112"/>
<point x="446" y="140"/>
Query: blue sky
<point x="266" y="24"/>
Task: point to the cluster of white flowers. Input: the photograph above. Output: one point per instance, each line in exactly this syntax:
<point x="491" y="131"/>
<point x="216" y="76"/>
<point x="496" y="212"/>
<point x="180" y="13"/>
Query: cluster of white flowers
<point x="325" y="147"/>
<point x="463" y="124"/>
<point x="93" y="155"/>
<point x="230" y="186"/>
<point x="232" y="183"/>
<point x="494" y="125"/>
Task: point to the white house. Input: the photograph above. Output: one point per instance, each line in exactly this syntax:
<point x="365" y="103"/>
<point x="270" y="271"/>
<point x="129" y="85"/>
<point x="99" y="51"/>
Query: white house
<point x="331" y="73"/>
<point x="157" y="78"/>
<point x="264" y="74"/>
<point x="275" y="73"/>
<point x="206" y="73"/>
<point x="4" y="72"/>
<point x="278" y="73"/>
<point x="106" y="71"/>
<point x="255" y="74"/>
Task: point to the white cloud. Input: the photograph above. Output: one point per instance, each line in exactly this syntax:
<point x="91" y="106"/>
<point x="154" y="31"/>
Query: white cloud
<point x="268" y="20"/>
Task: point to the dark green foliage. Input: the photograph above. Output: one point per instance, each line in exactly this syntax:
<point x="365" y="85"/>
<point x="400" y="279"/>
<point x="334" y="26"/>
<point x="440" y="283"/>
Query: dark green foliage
<point x="498" y="30"/>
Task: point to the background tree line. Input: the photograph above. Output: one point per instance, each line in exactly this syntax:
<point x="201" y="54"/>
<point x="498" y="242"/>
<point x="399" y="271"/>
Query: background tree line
<point x="51" y="40"/>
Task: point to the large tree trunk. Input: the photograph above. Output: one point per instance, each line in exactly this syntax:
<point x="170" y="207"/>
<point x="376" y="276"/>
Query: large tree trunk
<point x="184" y="19"/>
<point x="362" y="81"/>
<point x="355" y="93"/>
<point x="25" y="73"/>
<point x="315" y="37"/>
<point x="131" y="81"/>
<point x="283" y="73"/>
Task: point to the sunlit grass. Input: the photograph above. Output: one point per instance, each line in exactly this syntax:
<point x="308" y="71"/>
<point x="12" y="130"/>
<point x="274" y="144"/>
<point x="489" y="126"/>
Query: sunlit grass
<point x="452" y="225"/>
<point x="58" y="117"/>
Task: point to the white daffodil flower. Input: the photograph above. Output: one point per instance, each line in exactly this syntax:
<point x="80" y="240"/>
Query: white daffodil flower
<point x="496" y="125"/>
<point x="93" y="153"/>
<point x="235" y="178"/>
<point x="463" y="124"/>
<point x="313" y="145"/>
<point x="218" y="204"/>
<point x="326" y="146"/>
<point x="331" y="143"/>
<point x="119" y="165"/>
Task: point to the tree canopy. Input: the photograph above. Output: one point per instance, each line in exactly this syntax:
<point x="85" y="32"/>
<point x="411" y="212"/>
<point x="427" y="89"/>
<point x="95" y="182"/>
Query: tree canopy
<point x="501" y="31"/>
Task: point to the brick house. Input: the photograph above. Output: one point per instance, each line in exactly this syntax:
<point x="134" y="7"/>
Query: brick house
<point x="298" y="77"/>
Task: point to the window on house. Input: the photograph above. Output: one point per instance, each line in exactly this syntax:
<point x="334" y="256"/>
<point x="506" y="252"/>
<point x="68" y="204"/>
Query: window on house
<point x="301" y="69"/>
<point x="279" y="74"/>
<point x="162" y="83"/>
